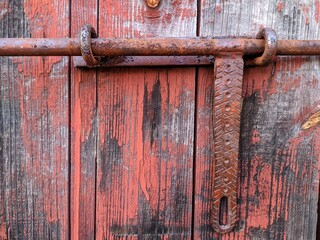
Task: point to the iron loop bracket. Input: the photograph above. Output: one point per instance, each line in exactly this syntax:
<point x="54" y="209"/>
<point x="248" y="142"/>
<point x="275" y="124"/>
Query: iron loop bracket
<point x="270" y="48"/>
<point x="88" y="32"/>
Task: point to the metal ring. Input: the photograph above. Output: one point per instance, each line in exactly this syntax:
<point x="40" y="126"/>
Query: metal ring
<point x="270" y="48"/>
<point x="88" y="32"/>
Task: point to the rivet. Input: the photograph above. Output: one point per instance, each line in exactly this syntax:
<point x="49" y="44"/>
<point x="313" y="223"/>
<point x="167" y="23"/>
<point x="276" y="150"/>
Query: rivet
<point x="226" y="161"/>
<point x="226" y="179"/>
<point x="226" y="190"/>
<point x="153" y="3"/>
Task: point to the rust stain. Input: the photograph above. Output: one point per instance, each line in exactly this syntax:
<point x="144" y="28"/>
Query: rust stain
<point x="312" y="121"/>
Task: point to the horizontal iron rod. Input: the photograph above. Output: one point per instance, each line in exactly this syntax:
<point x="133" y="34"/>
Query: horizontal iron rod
<point x="151" y="46"/>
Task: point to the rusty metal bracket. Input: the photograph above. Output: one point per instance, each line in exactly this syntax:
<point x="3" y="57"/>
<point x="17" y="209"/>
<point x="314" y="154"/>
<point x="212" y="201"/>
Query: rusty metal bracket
<point x="228" y="57"/>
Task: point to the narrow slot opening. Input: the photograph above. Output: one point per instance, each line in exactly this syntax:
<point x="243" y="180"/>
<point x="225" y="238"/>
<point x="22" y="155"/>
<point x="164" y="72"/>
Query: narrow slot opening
<point x="223" y="211"/>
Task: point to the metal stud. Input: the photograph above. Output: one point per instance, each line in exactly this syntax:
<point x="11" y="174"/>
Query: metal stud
<point x="153" y="3"/>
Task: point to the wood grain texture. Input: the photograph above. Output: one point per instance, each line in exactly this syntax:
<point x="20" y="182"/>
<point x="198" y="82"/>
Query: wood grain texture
<point x="34" y="125"/>
<point x="279" y="161"/>
<point x="83" y="132"/>
<point x="145" y="134"/>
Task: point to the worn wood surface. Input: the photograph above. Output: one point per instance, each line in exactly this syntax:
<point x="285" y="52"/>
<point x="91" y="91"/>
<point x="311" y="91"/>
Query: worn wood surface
<point x="83" y="132"/>
<point x="145" y="130"/>
<point x="278" y="182"/>
<point x="114" y="153"/>
<point x="34" y="126"/>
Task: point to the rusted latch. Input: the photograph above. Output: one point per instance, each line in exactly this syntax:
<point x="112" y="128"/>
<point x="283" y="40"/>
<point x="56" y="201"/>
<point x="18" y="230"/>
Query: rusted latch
<point x="228" y="76"/>
<point x="227" y="56"/>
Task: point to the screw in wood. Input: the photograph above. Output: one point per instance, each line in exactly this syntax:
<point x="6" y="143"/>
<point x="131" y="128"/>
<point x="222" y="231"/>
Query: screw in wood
<point x="153" y="3"/>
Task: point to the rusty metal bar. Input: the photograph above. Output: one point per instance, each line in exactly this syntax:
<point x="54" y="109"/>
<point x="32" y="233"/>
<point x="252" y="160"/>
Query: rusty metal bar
<point x="152" y="46"/>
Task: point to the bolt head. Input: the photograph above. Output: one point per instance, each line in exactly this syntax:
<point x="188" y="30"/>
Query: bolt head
<point x="153" y="3"/>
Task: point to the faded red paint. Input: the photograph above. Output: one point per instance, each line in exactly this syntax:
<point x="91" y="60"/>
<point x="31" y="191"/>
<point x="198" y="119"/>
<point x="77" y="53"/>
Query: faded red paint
<point x="138" y="115"/>
<point x="3" y="231"/>
<point x="265" y="82"/>
<point x="43" y="97"/>
<point x="305" y="10"/>
<point x="255" y="139"/>
<point x="142" y="163"/>
<point x="317" y="8"/>
<point x="83" y="133"/>
<point x="280" y="6"/>
<point x="77" y="159"/>
<point x="305" y="113"/>
<point x="259" y="82"/>
<point x="218" y="8"/>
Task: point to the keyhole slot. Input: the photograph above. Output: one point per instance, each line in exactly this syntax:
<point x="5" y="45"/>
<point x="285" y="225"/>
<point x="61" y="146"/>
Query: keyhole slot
<point x="223" y="212"/>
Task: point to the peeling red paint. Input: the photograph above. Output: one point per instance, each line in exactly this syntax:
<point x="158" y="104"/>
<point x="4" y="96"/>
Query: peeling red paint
<point x="305" y="10"/>
<point x="77" y="159"/>
<point x="259" y="80"/>
<point x="134" y="106"/>
<point x="44" y="110"/>
<point x="317" y="8"/>
<point x="263" y="80"/>
<point x="255" y="137"/>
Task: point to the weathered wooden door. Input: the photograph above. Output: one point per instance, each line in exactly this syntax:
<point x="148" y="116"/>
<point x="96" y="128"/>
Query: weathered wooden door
<point x="126" y="153"/>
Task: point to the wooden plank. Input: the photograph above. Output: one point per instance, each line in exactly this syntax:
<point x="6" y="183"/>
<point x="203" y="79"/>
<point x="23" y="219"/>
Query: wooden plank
<point x="145" y="134"/>
<point x="279" y="160"/>
<point x="34" y="125"/>
<point x="83" y="132"/>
